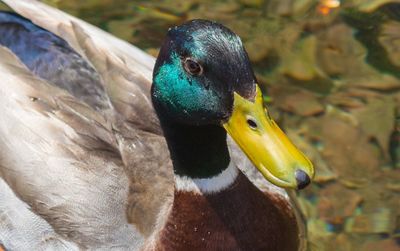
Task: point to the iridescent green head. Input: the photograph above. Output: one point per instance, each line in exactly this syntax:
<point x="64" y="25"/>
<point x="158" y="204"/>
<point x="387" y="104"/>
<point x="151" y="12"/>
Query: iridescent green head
<point x="203" y="84"/>
<point x="200" y="65"/>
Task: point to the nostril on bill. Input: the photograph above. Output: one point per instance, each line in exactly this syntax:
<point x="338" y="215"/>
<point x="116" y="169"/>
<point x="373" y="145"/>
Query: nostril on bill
<point x="302" y="179"/>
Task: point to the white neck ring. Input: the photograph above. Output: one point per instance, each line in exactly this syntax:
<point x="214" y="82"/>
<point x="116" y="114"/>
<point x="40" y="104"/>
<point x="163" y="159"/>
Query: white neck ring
<point x="210" y="185"/>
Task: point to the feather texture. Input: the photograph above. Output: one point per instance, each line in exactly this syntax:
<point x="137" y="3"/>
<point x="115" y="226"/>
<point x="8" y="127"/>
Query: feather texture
<point x="49" y="151"/>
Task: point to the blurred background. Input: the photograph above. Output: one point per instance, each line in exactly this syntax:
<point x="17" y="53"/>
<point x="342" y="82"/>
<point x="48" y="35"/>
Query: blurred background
<point x="330" y="70"/>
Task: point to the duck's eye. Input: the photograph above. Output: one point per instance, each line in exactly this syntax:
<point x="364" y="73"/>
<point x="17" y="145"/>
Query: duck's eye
<point x="252" y="123"/>
<point x="192" y="67"/>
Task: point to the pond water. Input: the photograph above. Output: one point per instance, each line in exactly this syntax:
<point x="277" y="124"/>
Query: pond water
<point x="331" y="71"/>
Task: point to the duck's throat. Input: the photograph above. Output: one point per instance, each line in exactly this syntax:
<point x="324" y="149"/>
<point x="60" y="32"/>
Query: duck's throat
<point x="200" y="156"/>
<point x="197" y="151"/>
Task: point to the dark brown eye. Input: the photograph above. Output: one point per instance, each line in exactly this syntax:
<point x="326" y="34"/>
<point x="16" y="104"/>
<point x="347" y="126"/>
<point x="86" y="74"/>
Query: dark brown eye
<point x="192" y="67"/>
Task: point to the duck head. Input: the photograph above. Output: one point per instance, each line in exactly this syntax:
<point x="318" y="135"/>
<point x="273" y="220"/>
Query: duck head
<point x="202" y="77"/>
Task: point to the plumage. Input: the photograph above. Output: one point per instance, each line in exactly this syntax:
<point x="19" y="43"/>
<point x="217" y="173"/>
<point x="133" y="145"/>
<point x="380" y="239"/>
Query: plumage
<point x="83" y="160"/>
<point x="226" y="229"/>
<point x="37" y="47"/>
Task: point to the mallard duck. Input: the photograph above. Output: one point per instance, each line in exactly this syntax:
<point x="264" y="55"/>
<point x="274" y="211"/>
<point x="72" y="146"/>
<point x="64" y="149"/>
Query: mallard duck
<point x="84" y="164"/>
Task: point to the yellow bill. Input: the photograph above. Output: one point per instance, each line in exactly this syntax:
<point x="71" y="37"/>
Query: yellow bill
<point x="266" y="145"/>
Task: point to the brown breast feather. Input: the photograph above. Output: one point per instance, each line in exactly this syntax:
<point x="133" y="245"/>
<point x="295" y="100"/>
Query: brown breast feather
<point x="238" y="218"/>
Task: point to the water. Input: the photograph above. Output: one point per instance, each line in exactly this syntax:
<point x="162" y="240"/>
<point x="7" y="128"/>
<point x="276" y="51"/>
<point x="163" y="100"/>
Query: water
<point x="332" y="73"/>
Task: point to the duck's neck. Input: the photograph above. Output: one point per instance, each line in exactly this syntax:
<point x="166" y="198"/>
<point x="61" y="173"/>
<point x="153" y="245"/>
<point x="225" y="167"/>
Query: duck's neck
<point x="200" y="156"/>
<point x="197" y="151"/>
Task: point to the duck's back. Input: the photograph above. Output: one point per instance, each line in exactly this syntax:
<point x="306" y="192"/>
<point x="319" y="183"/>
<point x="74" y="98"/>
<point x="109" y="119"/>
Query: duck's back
<point x="51" y="58"/>
<point x="61" y="169"/>
<point x="117" y="67"/>
<point x="57" y="156"/>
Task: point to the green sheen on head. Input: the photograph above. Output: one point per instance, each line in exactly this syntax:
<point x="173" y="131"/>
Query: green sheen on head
<point x="200" y="65"/>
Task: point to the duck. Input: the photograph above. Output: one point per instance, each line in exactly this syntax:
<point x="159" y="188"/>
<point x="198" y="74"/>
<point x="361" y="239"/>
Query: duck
<point x="103" y="147"/>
